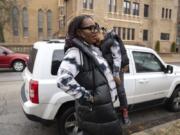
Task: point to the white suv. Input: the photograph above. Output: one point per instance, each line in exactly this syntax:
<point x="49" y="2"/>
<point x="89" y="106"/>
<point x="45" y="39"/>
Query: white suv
<point x="149" y="80"/>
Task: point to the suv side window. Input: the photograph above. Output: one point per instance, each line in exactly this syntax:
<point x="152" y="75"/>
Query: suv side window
<point x="56" y="61"/>
<point x="147" y="62"/>
<point x="32" y="57"/>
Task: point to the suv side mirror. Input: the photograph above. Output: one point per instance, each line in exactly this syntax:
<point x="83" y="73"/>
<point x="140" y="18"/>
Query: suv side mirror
<point x="5" y="53"/>
<point x="169" y="69"/>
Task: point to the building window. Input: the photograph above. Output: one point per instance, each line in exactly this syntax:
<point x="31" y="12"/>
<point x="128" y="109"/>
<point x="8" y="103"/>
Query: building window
<point x="145" y="35"/>
<point x="25" y="22"/>
<point x="165" y="36"/>
<point x="85" y="3"/>
<point x="162" y="13"/>
<point x="135" y="9"/>
<point x="166" y="13"/>
<point x="49" y="23"/>
<point x="91" y="4"/>
<point x="119" y="31"/>
<point x="128" y="34"/>
<point x="133" y="34"/>
<point x="15" y="21"/>
<point x="40" y="24"/>
<point x="170" y="11"/>
<point x="88" y="4"/>
<point x="146" y="10"/>
<point x="61" y="22"/>
<point x="127" y="7"/>
<point x="115" y="30"/>
<point x="124" y="34"/>
<point x="112" y="5"/>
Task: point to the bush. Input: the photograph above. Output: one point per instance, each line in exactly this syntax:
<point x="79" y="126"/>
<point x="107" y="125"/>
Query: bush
<point x="157" y="46"/>
<point x="173" y="47"/>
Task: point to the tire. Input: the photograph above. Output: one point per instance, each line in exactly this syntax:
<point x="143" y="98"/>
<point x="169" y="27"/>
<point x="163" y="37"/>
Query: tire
<point x="67" y="124"/>
<point x="18" y="65"/>
<point x="174" y="101"/>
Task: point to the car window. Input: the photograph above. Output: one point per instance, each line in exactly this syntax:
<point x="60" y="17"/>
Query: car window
<point x="1" y="51"/>
<point x="147" y="62"/>
<point x="56" y="61"/>
<point x="32" y="57"/>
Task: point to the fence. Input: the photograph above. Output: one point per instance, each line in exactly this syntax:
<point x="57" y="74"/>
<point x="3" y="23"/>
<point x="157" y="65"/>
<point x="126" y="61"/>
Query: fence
<point x="19" y="48"/>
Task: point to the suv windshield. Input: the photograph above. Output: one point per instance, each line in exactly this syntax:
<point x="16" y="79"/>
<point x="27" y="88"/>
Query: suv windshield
<point x="56" y="61"/>
<point x="32" y="58"/>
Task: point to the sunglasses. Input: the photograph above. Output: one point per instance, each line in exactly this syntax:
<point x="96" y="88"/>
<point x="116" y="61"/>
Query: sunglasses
<point x="92" y="28"/>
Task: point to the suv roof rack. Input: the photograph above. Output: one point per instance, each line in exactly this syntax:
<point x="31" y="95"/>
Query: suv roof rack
<point x="55" y="40"/>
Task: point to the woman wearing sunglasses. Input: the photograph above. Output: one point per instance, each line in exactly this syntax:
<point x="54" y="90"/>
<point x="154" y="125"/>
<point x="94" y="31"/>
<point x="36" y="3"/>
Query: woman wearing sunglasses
<point x="85" y="75"/>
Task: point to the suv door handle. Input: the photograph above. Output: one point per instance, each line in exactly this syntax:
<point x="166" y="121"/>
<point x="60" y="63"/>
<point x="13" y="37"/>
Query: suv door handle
<point x="142" y="81"/>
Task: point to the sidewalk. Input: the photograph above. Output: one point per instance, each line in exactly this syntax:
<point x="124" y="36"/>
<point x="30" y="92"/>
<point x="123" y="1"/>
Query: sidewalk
<point x="170" y="57"/>
<point x="170" y="128"/>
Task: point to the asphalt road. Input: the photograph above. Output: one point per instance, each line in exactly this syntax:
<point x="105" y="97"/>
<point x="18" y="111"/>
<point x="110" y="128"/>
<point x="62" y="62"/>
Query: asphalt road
<point x="12" y="118"/>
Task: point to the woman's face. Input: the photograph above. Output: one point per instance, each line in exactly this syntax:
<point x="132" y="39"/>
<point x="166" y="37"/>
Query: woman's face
<point x="88" y="31"/>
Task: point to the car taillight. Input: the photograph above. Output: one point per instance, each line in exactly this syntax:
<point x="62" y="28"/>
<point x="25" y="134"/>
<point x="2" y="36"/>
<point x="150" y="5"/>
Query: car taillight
<point x="33" y="91"/>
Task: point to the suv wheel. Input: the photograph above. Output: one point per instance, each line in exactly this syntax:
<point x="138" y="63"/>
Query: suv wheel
<point x="67" y="124"/>
<point x="18" y="66"/>
<point x="174" y="101"/>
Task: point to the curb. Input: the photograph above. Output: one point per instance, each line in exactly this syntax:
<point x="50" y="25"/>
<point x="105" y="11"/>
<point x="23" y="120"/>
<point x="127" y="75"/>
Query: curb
<point x="170" y="128"/>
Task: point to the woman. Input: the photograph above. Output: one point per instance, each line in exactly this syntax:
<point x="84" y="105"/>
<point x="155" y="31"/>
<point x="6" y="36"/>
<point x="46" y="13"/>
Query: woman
<point x="85" y="75"/>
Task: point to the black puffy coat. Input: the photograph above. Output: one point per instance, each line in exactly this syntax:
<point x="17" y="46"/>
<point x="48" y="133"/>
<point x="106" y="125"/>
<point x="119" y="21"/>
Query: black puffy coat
<point x="100" y="117"/>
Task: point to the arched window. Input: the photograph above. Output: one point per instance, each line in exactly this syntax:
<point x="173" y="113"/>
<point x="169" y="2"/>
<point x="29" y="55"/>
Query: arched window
<point x="15" y="21"/>
<point x="49" y="23"/>
<point x="40" y="24"/>
<point x="25" y="22"/>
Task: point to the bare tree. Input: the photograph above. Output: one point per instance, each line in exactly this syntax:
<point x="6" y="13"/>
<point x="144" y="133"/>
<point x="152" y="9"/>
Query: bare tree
<point x="5" y="15"/>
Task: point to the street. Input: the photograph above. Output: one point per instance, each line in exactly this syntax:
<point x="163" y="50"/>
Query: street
<point x="13" y="121"/>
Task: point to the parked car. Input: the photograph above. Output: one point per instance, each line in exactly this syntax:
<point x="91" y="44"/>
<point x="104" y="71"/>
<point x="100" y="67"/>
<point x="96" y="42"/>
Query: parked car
<point x="149" y="81"/>
<point x="10" y="59"/>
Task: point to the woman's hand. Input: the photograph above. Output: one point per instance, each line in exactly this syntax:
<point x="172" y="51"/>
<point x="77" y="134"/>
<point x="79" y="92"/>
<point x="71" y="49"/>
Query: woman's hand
<point x="117" y="80"/>
<point x="87" y="97"/>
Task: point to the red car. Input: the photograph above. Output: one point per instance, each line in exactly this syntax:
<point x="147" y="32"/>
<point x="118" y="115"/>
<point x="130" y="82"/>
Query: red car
<point x="10" y="59"/>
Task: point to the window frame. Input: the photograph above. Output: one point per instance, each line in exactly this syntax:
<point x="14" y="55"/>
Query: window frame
<point x="146" y="10"/>
<point x="15" y="21"/>
<point x="127" y="7"/>
<point x="88" y="4"/>
<point x="145" y="35"/>
<point x="170" y="13"/>
<point x="164" y="36"/>
<point x="166" y="15"/>
<point x="49" y="24"/>
<point x="40" y="23"/>
<point x="112" y="6"/>
<point x="162" y="15"/>
<point x="25" y="22"/>
<point x="161" y="65"/>
<point x="54" y="70"/>
<point x="135" y="8"/>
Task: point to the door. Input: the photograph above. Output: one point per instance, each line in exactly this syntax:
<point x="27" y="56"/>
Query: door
<point x="129" y="81"/>
<point x="4" y="62"/>
<point x="151" y="82"/>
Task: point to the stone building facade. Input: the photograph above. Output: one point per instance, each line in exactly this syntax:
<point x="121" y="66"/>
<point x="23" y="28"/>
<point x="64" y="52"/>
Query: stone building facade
<point x="138" y="22"/>
<point x="32" y="20"/>
<point x="178" y="29"/>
